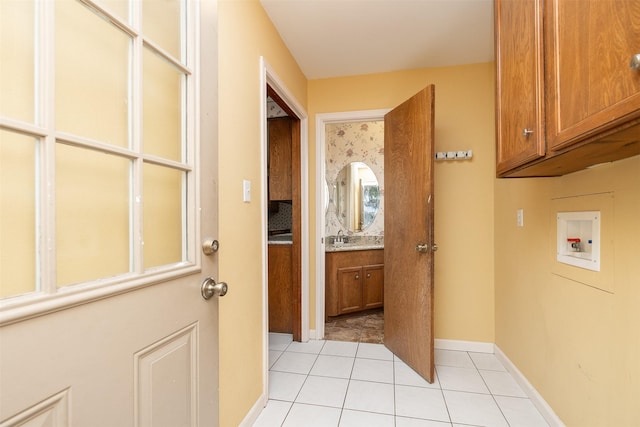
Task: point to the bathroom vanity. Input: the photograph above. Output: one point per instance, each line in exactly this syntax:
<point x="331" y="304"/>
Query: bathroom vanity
<point x="354" y="278"/>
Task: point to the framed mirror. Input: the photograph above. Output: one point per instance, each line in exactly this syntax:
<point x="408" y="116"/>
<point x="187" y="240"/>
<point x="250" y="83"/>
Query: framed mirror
<point x="357" y="196"/>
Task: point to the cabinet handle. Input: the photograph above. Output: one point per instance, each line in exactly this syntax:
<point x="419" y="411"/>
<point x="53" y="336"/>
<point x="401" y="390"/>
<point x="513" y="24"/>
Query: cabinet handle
<point x="526" y="132"/>
<point x="368" y="275"/>
<point x="357" y="276"/>
<point x="634" y="64"/>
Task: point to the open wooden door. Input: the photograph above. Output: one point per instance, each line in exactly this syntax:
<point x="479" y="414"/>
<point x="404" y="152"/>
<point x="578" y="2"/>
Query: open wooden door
<point x="408" y="224"/>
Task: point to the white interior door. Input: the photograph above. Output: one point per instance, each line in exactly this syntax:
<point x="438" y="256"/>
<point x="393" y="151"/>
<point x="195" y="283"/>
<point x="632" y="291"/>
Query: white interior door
<point x="144" y="358"/>
<point x="138" y="347"/>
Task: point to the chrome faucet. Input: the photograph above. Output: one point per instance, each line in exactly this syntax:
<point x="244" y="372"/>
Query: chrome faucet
<point x="339" y="237"/>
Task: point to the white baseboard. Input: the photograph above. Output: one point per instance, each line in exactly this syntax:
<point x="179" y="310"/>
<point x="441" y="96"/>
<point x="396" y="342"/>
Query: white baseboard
<point x="538" y="401"/>
<point x="254" y="412"/>
<point x="473" y="346"/>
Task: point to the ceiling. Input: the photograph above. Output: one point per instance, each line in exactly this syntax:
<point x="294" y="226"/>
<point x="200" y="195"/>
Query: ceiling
<point x="334" y="38"/>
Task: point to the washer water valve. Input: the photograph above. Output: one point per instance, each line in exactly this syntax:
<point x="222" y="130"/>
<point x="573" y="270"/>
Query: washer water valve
<point x="575" y="244"/>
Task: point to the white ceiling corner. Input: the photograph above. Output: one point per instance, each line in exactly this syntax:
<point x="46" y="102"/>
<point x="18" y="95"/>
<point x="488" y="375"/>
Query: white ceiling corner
<point x="333" y="38"/>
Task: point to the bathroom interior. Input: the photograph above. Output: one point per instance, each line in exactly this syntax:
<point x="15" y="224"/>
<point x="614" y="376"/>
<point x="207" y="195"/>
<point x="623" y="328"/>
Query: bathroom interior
<point x="354" y="231"/>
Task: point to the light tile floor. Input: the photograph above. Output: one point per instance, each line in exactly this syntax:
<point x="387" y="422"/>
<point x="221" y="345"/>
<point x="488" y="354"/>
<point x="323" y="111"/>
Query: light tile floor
<point x="350" y="384"/>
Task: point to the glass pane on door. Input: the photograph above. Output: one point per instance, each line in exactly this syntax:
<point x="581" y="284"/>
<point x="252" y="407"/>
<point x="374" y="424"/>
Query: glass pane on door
<point x="17" y="69"/>
<point x="162" y="104"/>
<point x="92" y="215"/>
<point x="120" y="8"/>
<point x="163" y="215"/>
<point x="162" y="24"/>
<point x="18" y="207"/>
<point x="92" y="75"/>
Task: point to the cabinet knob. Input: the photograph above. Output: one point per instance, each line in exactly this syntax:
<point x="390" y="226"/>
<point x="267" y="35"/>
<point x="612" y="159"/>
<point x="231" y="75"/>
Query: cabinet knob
<point x="357" y="276"/>
<point x="368" y="275"/>
<point x="526" y="132"/>
<point x="634" y="64"/>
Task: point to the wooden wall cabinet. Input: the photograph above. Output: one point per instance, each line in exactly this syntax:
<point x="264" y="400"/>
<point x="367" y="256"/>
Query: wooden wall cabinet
<point x="280" y="160"/>
<point x="566" y="95"/>
<point x="354" y="281"/>
<point x="280" y="285"/>
<point x="519" y="83"/>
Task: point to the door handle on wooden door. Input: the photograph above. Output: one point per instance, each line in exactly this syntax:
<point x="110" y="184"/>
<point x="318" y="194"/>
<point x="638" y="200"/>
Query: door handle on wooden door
<point x="424" y="248"/>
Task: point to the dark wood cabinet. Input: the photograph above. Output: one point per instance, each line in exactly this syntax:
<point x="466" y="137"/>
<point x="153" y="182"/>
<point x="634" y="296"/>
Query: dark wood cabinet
<point x="354" y="281"/>
<point x="520" y="76"/>
<point x="280" y="288"/>
<point x="590" y="85"/>
<point x="566" y="95"/>
<point x="280" y="158"/>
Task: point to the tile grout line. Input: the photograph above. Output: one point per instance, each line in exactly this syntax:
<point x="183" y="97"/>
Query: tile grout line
<point x="493" y="397"/>
<point x="355" y="357"/>
<point x="442" y="393"/>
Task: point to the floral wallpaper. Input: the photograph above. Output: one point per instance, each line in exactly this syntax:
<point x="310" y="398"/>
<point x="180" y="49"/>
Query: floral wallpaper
<point x="354" y="142"/>
<point x="274" y="110"/>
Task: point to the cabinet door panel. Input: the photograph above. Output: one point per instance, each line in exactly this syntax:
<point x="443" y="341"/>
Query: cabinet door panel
<point x="350" y="289"/>
<point x="519" y="75"/>
<point x="280" y="159"/>
<point x="373" y="289"/>
<point x="591" y="86"/>
<point x="280" y="289"/>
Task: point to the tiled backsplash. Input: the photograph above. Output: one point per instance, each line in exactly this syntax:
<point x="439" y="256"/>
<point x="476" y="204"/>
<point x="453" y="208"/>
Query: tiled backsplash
<point x="280" y="216"/>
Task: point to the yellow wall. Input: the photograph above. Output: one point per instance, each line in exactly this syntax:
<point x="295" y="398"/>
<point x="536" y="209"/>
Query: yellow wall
<point x="464" y="111"/>
<point x="578" y="345"/>
<point x="245" y="34"/>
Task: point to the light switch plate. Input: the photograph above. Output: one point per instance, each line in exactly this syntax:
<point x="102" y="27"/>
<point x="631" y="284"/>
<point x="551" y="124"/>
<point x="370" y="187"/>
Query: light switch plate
<point x="246" y="191"/>
<point x="520" y="217"/>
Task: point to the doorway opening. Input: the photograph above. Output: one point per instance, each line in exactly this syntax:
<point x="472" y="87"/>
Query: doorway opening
<point x="366" y="326"/>
<point x="284" y="217"/>
<point x="350" y="226"/>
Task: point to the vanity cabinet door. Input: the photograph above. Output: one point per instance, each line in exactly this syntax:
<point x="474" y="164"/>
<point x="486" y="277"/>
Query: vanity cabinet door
<point x="373" y="289"/>
<point x="280" y="161"/>
<point x="354" y="281"/>
<point x="350" y="286"/>
<point x="591" y="84"/>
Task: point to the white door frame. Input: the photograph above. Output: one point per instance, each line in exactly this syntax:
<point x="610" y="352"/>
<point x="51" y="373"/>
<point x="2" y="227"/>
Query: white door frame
<point x="269" y="76"/>
<point x="321" y="121"/>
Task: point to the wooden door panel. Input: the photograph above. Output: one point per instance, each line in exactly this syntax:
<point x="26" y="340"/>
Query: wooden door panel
<point x="408" y="274"/>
